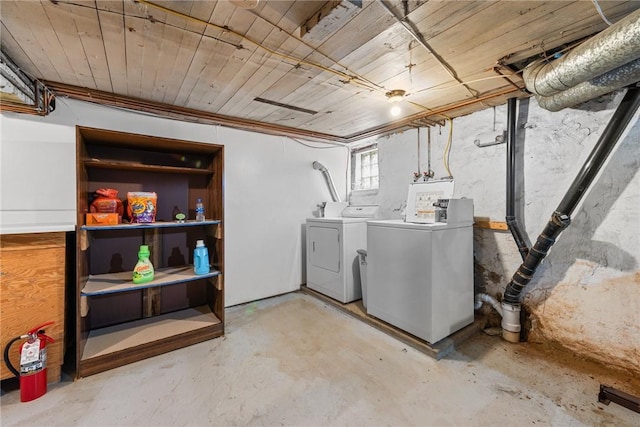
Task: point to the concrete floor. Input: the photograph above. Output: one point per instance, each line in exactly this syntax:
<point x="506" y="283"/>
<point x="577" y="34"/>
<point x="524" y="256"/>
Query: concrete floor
<point x="293" y="360"/>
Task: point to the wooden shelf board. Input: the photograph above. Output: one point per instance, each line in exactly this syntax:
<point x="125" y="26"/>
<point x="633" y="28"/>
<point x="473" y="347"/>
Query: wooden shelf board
<point x="486" y="223"/>
<point x="102" y="164"/>
<point x="158" y="224"/>
<point x="105" y="341"/>
<point x="100" y="284"/>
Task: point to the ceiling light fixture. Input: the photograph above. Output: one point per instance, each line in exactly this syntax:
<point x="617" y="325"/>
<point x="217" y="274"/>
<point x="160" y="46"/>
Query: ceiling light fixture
<point x="395" y="110"/>
<point x="395" y="95"/>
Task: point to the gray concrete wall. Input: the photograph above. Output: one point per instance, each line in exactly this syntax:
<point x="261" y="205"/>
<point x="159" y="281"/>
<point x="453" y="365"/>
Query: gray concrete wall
<point x="586" y="294"/>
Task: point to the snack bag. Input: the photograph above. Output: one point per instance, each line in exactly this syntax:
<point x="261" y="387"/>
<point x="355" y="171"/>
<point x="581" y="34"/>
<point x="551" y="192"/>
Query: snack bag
<point x="142" y="206"/>
<point x="107" y="201"/>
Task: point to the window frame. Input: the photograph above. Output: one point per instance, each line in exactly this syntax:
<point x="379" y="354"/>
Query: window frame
<point x="357" y="169"/>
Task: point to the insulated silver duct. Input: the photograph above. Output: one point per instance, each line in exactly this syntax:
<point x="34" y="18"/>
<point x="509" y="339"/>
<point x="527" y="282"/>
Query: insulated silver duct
<point x="610" y="49"/>
<point x="608" y="82"/>
<point x="327" y="176"/>
<point x="605" y="63"/>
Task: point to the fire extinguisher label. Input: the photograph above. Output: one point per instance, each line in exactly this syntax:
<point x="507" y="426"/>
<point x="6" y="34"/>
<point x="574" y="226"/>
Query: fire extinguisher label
<point x="32" y="358"/>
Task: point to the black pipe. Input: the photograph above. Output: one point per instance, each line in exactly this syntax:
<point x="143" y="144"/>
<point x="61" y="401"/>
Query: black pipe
<point x="600" y="152"/>
<point x="561" y="218"/>
<point x="512" y="222"/>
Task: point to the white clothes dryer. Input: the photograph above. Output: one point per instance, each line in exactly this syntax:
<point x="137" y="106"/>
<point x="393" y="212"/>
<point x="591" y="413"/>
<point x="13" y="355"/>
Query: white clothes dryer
<point x="333" y="267"/>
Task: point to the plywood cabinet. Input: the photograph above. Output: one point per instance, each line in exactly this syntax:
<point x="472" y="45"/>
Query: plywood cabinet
<point x="33" y="293"/>
<point x="119" y="322"/>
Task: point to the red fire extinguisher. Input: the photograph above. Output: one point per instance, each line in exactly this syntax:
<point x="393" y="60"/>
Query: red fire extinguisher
<point x="33" y="362"/>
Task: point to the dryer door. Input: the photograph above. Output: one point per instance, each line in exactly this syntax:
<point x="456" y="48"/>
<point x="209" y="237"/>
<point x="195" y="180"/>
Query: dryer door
<point x="324" y="248"/>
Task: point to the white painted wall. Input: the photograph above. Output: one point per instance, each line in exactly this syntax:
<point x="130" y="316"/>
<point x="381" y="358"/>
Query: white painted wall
<point x="29" y="203"/>
<point x="270" y="187"/>
<point x="586" y="294"/>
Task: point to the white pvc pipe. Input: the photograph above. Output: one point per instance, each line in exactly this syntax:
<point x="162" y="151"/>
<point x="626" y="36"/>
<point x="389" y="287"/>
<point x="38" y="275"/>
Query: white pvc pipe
<point x="480" y="298"/>
<point x="510" y="316"/>
<point x="511" y="322"/>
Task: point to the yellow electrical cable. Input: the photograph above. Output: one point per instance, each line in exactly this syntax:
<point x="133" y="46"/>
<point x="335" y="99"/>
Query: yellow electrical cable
<point x="355" y="79"/>
<point x="447" y="148"/>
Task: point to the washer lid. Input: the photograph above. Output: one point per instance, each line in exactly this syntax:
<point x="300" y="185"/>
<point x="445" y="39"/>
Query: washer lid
<point x="362" y="211"/>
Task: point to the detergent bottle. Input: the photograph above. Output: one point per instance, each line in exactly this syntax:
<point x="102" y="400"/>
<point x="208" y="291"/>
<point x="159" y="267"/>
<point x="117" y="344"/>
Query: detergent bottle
<point x="200" y="258"/>
<point x="143" y="271"/>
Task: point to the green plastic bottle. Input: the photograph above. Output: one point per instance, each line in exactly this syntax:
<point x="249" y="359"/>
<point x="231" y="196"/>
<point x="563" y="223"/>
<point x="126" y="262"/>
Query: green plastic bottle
<point x="143" y="271"/>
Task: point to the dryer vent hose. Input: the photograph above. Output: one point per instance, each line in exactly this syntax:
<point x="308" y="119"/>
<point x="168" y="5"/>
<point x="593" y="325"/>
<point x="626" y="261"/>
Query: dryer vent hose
<point x="327" y="177"/>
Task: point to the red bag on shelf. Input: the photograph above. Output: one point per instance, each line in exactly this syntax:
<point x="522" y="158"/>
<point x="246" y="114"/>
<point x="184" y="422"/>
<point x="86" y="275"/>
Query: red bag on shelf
<point x="107" y="201"/>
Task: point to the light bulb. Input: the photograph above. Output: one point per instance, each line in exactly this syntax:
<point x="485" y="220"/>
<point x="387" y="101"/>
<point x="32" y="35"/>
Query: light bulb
<point x="396" y="110"/>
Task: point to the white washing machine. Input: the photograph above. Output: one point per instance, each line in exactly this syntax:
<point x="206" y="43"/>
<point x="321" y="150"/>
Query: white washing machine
<point x="420" y="274"/>
<point x="333" y="267"/>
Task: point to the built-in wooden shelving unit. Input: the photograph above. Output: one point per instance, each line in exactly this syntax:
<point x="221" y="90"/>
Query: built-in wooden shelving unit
<point x="117" y="321"/>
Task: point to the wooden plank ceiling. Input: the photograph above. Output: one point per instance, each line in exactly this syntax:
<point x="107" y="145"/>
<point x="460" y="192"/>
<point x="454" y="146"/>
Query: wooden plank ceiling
<point x="308" y="68"/>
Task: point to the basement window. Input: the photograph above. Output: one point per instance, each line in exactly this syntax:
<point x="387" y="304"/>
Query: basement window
<point x="364" y="165"/>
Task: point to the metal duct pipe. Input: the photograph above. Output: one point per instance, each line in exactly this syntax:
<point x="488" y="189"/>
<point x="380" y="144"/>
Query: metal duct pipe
<point x="561" y="218"/>
<point x="601" y="85"/>
<point x="511" y="220"/>
<point x="613" y="47"/>
<point x="327" y="177"/>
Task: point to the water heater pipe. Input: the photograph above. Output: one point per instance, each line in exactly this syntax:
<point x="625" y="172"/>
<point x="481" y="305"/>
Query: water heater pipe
<point x="327" y="177"/>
